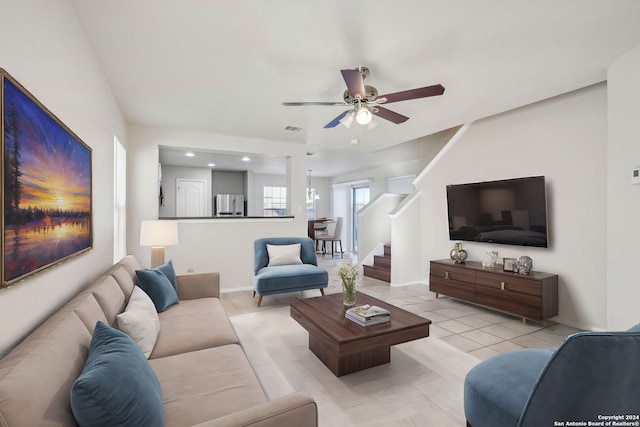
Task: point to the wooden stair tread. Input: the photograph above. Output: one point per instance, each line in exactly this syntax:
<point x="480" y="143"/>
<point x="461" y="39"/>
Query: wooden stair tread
<point x="381" y="268"/>
<point x="377" y="273"/>
<point x="382" y="261"/>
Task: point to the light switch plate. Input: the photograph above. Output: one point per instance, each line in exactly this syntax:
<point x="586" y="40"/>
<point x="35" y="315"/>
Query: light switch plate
<point x="635" y="176"/>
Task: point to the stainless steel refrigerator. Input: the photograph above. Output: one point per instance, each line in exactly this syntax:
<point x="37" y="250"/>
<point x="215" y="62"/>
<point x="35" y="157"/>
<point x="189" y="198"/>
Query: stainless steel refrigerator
<point x="229" y="205"/>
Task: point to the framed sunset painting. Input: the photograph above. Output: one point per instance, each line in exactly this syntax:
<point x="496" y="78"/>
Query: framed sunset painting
<point x="46" y="181"/>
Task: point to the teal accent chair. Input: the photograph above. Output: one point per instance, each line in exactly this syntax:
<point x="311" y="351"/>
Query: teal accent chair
<point x="591" y="374"/>
<point x="287" y="278"/>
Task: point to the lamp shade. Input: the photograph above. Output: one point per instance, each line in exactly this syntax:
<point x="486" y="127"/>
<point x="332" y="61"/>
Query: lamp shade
<point x="348" y="119"/>
<point x="158" y="233"/>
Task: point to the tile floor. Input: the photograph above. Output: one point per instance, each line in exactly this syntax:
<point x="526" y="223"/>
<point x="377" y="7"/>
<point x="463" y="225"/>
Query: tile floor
<point x="475" y="330"/>
<point x="423" y="384"/>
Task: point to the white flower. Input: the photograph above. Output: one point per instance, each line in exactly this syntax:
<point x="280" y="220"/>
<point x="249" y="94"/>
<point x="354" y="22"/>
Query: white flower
<point x="348" y="274"/>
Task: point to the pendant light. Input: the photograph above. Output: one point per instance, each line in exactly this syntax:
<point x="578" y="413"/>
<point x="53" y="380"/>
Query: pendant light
<point x="310" y="196"/>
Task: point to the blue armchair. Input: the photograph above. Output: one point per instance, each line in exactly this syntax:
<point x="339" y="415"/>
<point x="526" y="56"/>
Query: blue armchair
<point x="590" y="375"/>
<point x="278" y="279"/>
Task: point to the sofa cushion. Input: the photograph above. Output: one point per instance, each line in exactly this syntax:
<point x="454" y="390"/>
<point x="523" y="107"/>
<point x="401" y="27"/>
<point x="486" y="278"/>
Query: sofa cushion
<point x="261" y="256"/>
<point x="36" y="376"/>
<point x="117" y="386"/>
<point x="110" y="297"/>
<point x="131" y="263"/>
<point x="290" y="278"/>
<point x="193" y="325"/>
<point x="158" y="287"/>
<point x="124" y="279"/>
<point x="496" y="390"/>
<point x="88" y="310"/>
<point x="140" y="321"/>
<point x="284" y="254"/>
<point x="203" y="385"/>
<point x="167" y="270"/>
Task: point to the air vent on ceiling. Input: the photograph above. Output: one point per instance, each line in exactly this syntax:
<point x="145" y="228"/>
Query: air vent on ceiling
<point x="293" y="128"/>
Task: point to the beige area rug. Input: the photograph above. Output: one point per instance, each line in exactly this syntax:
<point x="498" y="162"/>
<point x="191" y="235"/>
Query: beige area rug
<point x="422" y="386"/>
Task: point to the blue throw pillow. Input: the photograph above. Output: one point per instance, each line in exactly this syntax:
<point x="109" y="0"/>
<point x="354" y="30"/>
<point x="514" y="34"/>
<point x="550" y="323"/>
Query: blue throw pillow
<point x="158" y="287"/>
<point x="117" y="386"/>
<point x="167" y="270"/>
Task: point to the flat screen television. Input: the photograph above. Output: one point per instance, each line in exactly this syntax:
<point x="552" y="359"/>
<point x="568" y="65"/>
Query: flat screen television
<point x="510" y="211"/>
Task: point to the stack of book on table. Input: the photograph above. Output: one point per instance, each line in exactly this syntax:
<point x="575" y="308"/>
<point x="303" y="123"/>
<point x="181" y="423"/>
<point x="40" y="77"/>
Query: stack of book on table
<point x="366" y="315"/>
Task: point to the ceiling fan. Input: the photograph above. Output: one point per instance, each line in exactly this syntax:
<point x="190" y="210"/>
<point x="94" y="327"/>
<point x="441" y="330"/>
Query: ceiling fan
<point x="366" y="102"/>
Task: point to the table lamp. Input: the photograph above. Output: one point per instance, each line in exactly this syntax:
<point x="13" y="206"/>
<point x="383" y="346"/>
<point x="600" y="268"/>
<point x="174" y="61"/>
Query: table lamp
<point x="158" y="234"/>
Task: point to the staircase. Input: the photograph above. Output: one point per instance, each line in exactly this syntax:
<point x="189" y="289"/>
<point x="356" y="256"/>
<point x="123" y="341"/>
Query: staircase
<point x="381" y="268"/>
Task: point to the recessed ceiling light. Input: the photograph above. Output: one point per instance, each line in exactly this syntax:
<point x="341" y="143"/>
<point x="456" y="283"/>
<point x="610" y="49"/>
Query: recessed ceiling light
<point x="211" y="165"/>
<point x="189" y="154"/>
<point x="245" y="159"/>
<point x="355" y="141"/>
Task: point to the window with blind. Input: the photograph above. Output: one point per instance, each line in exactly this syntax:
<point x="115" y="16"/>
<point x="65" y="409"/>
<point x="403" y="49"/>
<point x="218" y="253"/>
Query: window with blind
<point x="274" y="201"/>
<point x="119" y="201"/>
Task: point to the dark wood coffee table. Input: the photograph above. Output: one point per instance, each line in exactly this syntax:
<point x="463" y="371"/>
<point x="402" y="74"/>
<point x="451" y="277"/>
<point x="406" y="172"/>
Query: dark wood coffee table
<point x="346" y="347"/>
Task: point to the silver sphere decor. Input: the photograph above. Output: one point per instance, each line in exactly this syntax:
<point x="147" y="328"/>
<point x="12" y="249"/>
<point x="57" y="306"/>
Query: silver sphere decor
<point x="524" y="265"/>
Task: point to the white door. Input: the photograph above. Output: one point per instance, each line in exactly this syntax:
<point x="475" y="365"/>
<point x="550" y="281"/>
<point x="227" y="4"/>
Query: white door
<point x="190" y="197"/>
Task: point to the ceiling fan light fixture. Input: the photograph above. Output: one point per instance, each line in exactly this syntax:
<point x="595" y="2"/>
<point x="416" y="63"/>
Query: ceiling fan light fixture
<point x="347" y="120"/>
<point x="359" y="95"/>
<point x="363" y="115"/>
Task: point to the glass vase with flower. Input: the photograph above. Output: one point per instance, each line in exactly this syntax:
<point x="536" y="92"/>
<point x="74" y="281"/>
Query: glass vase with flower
<point x="348" y="275"/>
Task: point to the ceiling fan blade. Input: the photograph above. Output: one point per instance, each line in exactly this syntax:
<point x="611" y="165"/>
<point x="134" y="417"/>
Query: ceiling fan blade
<point x="319" y="103"/>
<point x="422" y="92"/>
<point x="335" y="122"/>
<point x="354" y="81"/>
<point x="392" y="116"/>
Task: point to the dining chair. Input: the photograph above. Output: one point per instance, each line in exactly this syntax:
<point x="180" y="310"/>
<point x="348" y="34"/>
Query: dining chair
<point x="333" y="237"/>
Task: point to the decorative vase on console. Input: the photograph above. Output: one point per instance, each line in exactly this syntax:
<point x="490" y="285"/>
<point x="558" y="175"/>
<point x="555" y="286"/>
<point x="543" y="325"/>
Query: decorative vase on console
<point x="492" y="259"/>
<point x="457" y="254"/>
<point x="348" y="276"/>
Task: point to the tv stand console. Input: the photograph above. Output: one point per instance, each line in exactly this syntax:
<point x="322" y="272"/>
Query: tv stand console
<point x="534" y="296"/>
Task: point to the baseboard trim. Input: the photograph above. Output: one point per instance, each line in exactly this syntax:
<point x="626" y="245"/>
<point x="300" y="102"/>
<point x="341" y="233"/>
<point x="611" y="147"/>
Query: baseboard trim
<point x="417" y="282"/>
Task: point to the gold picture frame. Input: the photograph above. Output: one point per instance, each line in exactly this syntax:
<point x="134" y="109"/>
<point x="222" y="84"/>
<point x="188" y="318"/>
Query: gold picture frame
<point x="46" y="182"/>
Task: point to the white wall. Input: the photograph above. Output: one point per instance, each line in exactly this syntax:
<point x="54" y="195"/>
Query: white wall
<point x="564" y="139"/>
<point x="406" y="224"/>
<point x="44" y="48"/>
<point x="323" y="189"/>
<point x="374" y="225"/>
<point x="421" y="151"/>
<point x="377" y="179"/>
<point x="223" y="245"/>
<point x="416" y="154"/>
<point x="379" y="176"/>
<point x="623" y="201"/>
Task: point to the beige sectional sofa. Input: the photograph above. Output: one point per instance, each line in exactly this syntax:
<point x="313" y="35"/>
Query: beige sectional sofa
<point x="205" y="377"/>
